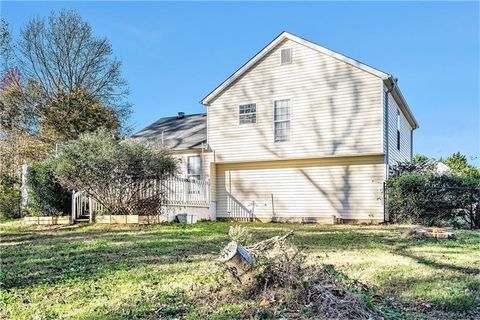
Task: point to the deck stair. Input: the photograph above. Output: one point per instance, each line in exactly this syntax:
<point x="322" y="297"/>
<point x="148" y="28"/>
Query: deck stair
<point x="82" y="218"/>
<point x="82" y="207"/>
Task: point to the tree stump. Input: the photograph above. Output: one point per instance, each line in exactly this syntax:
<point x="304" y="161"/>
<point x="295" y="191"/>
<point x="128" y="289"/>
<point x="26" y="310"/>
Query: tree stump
<point x="236" y="256"/>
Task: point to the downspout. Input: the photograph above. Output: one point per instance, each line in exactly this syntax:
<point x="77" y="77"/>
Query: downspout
<point x="411" y="145"/>
<point x="392" y="86"/>
<point x="202" y="162"/>
<point x="386" y="216"/>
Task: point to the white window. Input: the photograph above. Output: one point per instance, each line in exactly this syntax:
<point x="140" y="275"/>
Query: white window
<point x="286" y="56"/>
<point x="247" y="113"/>
<point x="281" y="120"/>
<point x="194" y="167"/>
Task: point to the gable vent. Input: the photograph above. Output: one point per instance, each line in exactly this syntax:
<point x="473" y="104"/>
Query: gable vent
<point x="286" y="56"/>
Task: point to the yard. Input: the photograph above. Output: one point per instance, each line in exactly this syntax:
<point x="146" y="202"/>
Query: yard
<point x="106" y="272"/>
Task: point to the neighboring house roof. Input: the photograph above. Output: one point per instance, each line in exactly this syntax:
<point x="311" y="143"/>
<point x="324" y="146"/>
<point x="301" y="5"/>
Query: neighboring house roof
<point x="439" y="167"/>
<point x="179" y="132"/>
<point x="388" y="79"/>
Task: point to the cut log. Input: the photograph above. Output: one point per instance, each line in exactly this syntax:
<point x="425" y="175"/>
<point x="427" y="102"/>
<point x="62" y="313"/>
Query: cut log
<point x="236" y="256"/>
<point x="435" y="233"/>
<point x="445" y="235"/>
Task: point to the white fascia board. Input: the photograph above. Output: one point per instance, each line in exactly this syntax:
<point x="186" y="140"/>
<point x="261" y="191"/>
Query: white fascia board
<point x="338" y="56"/>
<point x="242" y="69"/>
<point x="398" y="96"/>
<point x="272" y="45"/>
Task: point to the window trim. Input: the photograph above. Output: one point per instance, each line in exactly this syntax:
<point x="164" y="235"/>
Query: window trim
<point x="256" y="114"/>
<point x="291" y="117"/>
<point x="200" y="175"/>
<point x="291" y="56"/>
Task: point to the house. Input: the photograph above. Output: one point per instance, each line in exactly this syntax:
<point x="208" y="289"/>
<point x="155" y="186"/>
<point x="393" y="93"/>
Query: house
<point x="186" y="135"/>
<point x="298" y="133"/>
<point x="439" y="168"/>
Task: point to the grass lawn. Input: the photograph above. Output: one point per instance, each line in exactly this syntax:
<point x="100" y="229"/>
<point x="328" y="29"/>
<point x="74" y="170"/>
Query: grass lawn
<point x="124" y="272"/>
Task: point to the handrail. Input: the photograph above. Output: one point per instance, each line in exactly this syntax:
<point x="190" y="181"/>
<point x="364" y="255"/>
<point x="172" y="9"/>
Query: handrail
<point x="177" y="191"/>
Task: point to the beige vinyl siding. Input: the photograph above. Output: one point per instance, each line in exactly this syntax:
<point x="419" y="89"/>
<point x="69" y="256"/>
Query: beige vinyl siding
<point x="347" y="187"/>
<point x="182" y="156"/>
<point x="405" y="152"/>
<point x="335" y="109"/>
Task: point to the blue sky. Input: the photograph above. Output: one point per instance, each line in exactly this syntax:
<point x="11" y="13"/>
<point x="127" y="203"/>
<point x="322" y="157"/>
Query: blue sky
<point x="175" y="53"/>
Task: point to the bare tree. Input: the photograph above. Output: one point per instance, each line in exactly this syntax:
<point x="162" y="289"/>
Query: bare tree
<point x="6" y="46"/>
<point x="62" y="57"/>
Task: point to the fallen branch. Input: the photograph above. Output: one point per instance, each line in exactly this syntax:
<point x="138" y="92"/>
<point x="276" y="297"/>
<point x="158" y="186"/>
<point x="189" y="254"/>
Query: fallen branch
<point x="434" y="233"/>
<point x="271" y="274"/>
<point x="270" y="243"/>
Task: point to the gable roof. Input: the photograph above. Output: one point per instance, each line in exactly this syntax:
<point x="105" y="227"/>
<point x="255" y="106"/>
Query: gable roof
<point x="184" y="133"/>
<point x="388" y="79"/>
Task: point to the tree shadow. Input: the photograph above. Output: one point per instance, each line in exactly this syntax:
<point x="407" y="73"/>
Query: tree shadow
<point x="403" y="250"/>
<point x="56" y="258"/>
<point x="335" y="101"/>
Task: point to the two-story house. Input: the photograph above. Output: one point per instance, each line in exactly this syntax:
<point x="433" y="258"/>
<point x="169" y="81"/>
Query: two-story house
<point x="298" y="133"/>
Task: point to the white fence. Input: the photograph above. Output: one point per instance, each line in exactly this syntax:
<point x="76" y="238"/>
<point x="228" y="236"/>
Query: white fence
<point x="177" y="191"/>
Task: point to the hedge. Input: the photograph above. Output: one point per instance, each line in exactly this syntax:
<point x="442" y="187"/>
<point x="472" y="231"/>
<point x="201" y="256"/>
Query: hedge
<point x="10" y="196"/>
<point x="46" y="197"/>
<point x="430" y="199"/>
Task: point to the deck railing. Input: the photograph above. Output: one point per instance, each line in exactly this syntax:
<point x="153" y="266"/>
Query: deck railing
<point x="237" y="211"/>
<point x="176" y="191"/>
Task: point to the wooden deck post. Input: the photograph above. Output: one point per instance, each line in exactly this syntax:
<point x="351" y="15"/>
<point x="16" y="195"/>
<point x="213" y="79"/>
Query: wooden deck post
<point x="73" y="206"/>
<point x="185" y="187"/>
<point x="90" y="209"/>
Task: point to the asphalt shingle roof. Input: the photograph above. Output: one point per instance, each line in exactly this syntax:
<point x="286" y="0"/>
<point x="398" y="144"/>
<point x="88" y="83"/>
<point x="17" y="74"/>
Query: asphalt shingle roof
<point x="184" y="133"/>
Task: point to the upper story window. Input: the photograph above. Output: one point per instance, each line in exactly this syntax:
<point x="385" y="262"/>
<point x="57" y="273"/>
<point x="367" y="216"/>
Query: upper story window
<point x="286" y="56"/>
<point x="247" y="113"/>
<point x="281" y="120"/>
<point x="194" y="167"/>
<point x="398" y="130"/>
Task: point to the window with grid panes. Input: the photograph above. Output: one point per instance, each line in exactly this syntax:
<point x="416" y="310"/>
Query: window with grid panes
<point x="281" y="120"/>
<point x="247" y="113"/>
<point x="194" y="167"/>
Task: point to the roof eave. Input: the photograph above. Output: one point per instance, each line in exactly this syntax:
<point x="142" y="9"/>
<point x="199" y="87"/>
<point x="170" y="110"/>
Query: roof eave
<point x="205" y="101"/>
<point x="387" y="78"/>
<point x="398" y="96"/>
<point x="285" y="35"/>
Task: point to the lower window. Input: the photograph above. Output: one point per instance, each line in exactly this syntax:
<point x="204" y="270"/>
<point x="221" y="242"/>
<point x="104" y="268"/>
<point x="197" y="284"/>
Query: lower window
<point x="194" y="167"/>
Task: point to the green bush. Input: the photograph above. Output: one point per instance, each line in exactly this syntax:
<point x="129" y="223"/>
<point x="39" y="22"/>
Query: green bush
<point x="46" y="197"/>
<point x="116" y="172"/>
<point x="430" y="199"/>
<point x="468" y="202"/>
<point x="10" y="197"/>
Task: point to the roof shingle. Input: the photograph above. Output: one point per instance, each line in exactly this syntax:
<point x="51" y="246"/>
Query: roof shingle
<point x="184" y="133"/>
